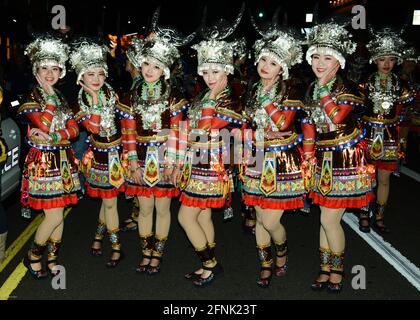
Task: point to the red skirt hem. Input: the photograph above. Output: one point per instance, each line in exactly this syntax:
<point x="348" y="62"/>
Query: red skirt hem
<point x="103" y="193"/>
<point x="385" y="165"/>
<point x="142" y="191"/>
<point x="202" y="203"/>
<point x="415" y="128"/>
<point x="51" y="203"/>
<point x="272" y="203"/>
<point x="342" y="202"/>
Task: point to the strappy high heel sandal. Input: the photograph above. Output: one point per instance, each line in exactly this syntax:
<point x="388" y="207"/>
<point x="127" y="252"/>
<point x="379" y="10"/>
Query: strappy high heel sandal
<point x="53" y="248"/>
<point x="266" y="263"/>
<point x="114" y="238"/>
<point x="335" y="287"/>
<point x="265" y="282"/>
<point x="320" y="285"/>
<point x="99" y="235"/>
<point x="37" y="251"/>
<point x="205" y="282"/>
<point x="281" y="251"/>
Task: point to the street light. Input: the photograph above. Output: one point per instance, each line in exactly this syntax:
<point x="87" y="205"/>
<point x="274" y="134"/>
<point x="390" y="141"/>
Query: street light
<point x="260" y="14"/>
<point x="309" y="17"/>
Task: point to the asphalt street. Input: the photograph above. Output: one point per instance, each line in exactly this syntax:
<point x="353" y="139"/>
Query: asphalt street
<point x="88" y="278"/>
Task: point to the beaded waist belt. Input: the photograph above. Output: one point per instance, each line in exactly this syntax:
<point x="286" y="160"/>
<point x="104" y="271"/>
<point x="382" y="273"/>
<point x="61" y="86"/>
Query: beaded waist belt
<point x="104" y="146"/>
<point x="40" y="144"/>
<point x="340" y="143"/>
<point x="208" y="146"/>
<point x="151" y="140"/>
<point x="381" y="123"/>
<point x="275" y="145"/>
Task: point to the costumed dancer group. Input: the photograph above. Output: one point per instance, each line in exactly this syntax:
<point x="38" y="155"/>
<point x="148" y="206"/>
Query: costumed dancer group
<point x="155" y="145"/>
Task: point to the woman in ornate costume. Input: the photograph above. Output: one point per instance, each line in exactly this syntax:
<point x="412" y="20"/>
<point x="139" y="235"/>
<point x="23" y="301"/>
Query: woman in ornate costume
<point x="100" y="113"/>
<point x="341" y="177"/>
<point x="50" y="174"/>
<point x="386" y="97"/>
<point x="151" y="141"/>
<point x="132" y="66"/>
<point x="277" y="184"/>
<point x="206" y="180"/>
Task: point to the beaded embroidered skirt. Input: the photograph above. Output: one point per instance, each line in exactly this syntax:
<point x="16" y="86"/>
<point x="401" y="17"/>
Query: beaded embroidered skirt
<point x="284" y="192"/>
<point x="205" y="187"/>
<point x="104" y="173"/>
<point x="383" y="144"/>
<point x="50" y="179"/>
<point x="343" y="176"/>
<point x="160" y="189"/>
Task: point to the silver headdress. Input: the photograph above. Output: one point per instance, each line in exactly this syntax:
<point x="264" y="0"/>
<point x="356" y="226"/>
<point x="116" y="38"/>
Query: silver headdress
<point x="214" y="52"/>
<point x="47" y="51"/>
<point x="330" y="38"/>
<point x="133" y="51"/>
<point x="87" y="55"/>
<point x="411" y="54"/>
<point x="240" y="50"/>
<point x="386" y="42"/>
<point x="281" y="46"/>
<point x="160" y="46"/>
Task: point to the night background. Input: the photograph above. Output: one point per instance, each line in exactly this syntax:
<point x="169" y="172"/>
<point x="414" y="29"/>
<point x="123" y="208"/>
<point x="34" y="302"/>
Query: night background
<point x="104" y="19"/>
<point x="21" y="17"/>
<point x="21" y="20"/>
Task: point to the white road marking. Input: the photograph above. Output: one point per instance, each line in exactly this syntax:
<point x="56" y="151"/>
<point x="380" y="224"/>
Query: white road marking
<point x="411" y="173"/>
<point x="404" y="266"/>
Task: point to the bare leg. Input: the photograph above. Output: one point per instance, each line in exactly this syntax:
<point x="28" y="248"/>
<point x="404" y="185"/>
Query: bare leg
<point x="323" y="243"/>
<point x="163" y="223"/>
<point x="145" y="219"/>
<point x="205" y="221"/>
<point x="188" y="218"/>
<point x="111" y="218"/>
<point x="382" y="193"/>
<point x="269" y="227"/>
<point x="52" y="220"/>
<point x="96" y="245"/>
<point x="383" y="186"/>
<point x="58" y="232"/>
<point x="331" y="223"/>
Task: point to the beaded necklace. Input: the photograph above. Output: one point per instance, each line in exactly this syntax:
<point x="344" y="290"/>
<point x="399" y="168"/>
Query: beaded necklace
<point x="61" y="114"/>
<point x="105" y="107"/>
<point x="150" y="103"/>
<point x="382" y="95"/>
<point x="151" y="91"/>
<point x="317" y="113"/>
<point x="257" y="113"/>
<point x="315" y="94"/>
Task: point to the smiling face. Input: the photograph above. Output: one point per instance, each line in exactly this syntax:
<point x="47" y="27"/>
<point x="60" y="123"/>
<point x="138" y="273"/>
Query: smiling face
<point x="151" y="72"/>
<point x="94" y="78"/>
<point x="268" y="68"/>
<point x="213" y="76"/>
<point x="49" y="74"/>
<point x="385" y="64"/>
<point x="322" y="64"/>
